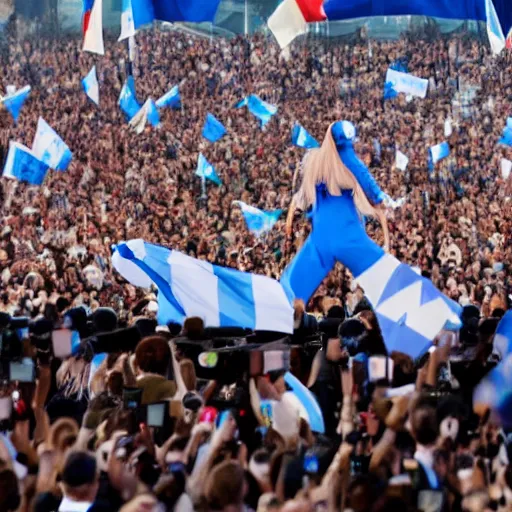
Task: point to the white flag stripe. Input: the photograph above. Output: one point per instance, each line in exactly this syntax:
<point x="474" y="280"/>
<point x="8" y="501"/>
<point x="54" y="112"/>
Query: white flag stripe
<point x="287" y="22"/>
<point x="93" y="40"/>
<point x="375" y="279"/>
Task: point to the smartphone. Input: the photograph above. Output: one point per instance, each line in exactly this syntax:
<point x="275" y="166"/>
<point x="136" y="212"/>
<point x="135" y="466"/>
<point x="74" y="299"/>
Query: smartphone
<point x="65" y="342"/>
<point x="132" y="397"/>
<point x="5" y="408"/>
<point x="22" y="371"/>
<point x="155" y="414"/>
<point x="377" y="368"/>
<point x="311" y="464"/>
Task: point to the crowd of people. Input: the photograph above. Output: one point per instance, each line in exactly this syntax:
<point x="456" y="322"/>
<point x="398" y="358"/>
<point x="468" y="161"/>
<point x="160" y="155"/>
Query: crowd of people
<point x="75" y="444"/>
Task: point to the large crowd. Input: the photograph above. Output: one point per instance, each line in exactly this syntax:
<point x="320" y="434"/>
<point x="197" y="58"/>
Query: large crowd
<point x="78" y="444"/>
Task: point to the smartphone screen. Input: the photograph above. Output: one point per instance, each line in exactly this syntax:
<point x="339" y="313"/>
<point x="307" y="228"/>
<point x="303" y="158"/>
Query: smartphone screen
<point x="64" y="342"/>
<point x="377" y="368"/>
<point x="5" y="408"/>
<point x="156" y="415"/>
<point x="132" y="397"/>
<point x="21" y="372"/>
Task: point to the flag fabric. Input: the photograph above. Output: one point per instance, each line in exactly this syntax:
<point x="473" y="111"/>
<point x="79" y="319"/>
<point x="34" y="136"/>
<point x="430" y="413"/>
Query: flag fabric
<point x="23" y="165"/>
<point x="494" y="30"/>
<point x="400" y="65"/>
<point x="258" y="108"/>
<point x="291" y="17"/>
<point x="448" y="127"/>
<point x="508" y="42"/>
<point x="14" y="102"/>
<point x="206" y="170"/>
<point x="495" y="389"/>
<point x="127" y="22"/>
<point x="49" y="147"/>
<point x="170" y="99"/>
<point x="148" y="112"/>
<point x="302" y="138"/>
<point x="507" y="133"/>
<point x="506" y="168"/>
<point x="409" y="308"/>
<point x="401" y="160"/>
<point x="439" y="151"/>
<point x="91" y="86"/>
<point x="397" y="82"/>
<point x="258" y="221"/>
<point x="213" y="129"/>
<point x="93" y="26"/>
<point x="128" y="99"/>
<point x="188" y="287"/>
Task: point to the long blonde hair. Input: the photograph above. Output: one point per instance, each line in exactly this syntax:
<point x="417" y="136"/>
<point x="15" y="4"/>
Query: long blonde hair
<point x="323" y="165"/>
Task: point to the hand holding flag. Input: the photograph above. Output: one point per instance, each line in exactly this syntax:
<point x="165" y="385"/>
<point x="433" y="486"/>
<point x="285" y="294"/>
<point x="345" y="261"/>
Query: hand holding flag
<point x="206" y="170"/>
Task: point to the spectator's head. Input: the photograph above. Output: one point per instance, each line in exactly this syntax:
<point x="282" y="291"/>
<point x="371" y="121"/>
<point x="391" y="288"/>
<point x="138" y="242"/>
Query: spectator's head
<point x="79" y="477"/>
<point x="225" y="486"/>
<point x="9" y="494"/>
<point x="424" y="426"/>
<point x="153" y="355"/>
<point x="193" y="328"/>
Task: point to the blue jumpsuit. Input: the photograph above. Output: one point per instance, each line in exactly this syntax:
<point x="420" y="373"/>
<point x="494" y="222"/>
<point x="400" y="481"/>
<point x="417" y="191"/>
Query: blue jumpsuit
<point x="338" y="233"/>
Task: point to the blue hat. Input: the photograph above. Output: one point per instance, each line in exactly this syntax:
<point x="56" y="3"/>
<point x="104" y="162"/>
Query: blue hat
<point x="343" y="131"/>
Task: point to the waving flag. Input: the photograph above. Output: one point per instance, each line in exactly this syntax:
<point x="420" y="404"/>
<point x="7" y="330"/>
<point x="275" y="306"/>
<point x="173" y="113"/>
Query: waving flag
<point x="50" y="148"/>
<point x="187" y="287"/>
<point x="14" y="102"/>
<point x="213" y="129"/>
<point x="128" y="99"/>
<point x="258" y="221"/>
<point x="148" y="112"/>
<point x="495" y="390"/>
<point x="494" y="30"/>
<point x="93" y="26"/>
<point x="170" y="99"/>
<point x="507" y="133"/>
<point x="258" y="108"/>
<point x="448" y="127"/>
<point x="506" y="168"/>
<point x="206" y="170"/>
<point x="23" y="165"/>
<point x="439" y="151"/>
<point x="91" y="86"/>
<point x="409" y="308"/>
<point x="302" y="138"/>
<point x="291" y="18"/>
<point x="397" y="82"/>
<point x="401" y="160"/>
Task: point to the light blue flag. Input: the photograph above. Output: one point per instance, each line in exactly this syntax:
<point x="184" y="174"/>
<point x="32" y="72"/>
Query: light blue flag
<point x="439" y="151"/>
<point x="258" y="108"/>
<point x="258" y="221"/>
<point x="411" y="311"/>
<point x="23" y="165"/>
<point x="153" y="115"/>
<point x="171" y="99"/>
<point x="14" y="102"/>
<point x="50" y="148"/>
<point x="397" y="82"/>
<point x="188" y="287"/>
<point x="506" y="138"/>
<point x="495" y="390"/>
<point x="213" y="129"/>
<point x="206" y="170"/>
<point x="91" y="86"/>
<point x="302" y="138"/>
<point x="128" y="99"/>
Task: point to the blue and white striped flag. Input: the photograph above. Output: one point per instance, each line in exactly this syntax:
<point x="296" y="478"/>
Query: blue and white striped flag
<point x="302" y="138"/>
<point x="506" y="138"/>
<point x="188" y="287"/>
<point x="14" y="102"/>
<point x="439" y="151"/>
<point x="23" y="165"/>
<point x="258" y="221"/>
<point x="128" y="99"/>
<point x="495" y="390"/>
<point x="206" y="170"/>
<point x="494" y="30"/>
<point x="91" y="86"/>
<point x="170" y="99"/>
<point x="50" y="148"/>
<point x="127" y="22"/>
<point x="258" y="108"/>
<point x="147" y="113"/>
<point x="411" y="311"/>
<point x="213" y="129"/>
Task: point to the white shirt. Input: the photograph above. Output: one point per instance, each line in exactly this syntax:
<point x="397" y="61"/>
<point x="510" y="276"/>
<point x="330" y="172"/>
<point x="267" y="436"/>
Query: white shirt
<point x="68" y="505"/>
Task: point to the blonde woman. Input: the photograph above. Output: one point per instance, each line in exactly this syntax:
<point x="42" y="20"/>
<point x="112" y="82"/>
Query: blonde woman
<point x="339" y="191"/>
